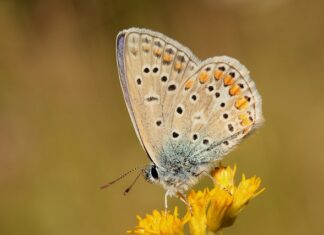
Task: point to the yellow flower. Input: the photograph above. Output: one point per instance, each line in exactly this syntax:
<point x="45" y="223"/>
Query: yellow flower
<point x="159" y="223"/>
<point x="198" y="219"/>
<point x="247" y="190"/>
<point x="211" y="210"/>
<point x="224" y="177"/>
<point x="220" y="201"/>
<point x="227" y="200"/>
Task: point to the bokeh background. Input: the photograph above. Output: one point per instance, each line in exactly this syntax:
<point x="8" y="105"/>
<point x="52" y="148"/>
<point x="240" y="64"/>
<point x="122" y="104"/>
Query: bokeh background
<point x="65" y="130"/>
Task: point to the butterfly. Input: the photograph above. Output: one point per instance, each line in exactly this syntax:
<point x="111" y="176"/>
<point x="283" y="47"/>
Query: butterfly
<point x="188" y="114"/>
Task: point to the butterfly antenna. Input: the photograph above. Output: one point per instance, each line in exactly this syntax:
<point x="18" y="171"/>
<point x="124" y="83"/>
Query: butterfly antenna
<point x="119" y="178"/>
<point x="132" y="184"/>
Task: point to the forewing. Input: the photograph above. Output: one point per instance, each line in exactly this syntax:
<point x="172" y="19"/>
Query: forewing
<point x="152" y="69"/>
<point x="215" y="109"/>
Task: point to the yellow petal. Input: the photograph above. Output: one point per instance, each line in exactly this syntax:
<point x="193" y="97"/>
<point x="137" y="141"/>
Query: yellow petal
<point x="198" y="220"/>
<point x="220" y="201"/>
<point x="224" y="177"/>
<point x="159" y="223"/>
<point x="247" y="190"/>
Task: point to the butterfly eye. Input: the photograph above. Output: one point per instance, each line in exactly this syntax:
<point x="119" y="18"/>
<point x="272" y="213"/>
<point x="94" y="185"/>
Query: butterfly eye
<point x="154" y="173"/>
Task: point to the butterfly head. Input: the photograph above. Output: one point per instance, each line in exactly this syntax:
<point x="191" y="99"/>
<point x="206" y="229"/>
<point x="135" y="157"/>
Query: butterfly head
<point x="151" y="173"/>
<point x="172" y="178"/>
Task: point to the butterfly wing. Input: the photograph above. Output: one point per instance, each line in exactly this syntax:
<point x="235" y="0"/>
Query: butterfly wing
<point x="215" y="109"/>
<point x="152" y="67"/>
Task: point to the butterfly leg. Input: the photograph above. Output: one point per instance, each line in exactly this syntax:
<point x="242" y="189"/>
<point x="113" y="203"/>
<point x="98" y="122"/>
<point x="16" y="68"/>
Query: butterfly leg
<point x="166" y="201"/>
<point x="184" y="200"/>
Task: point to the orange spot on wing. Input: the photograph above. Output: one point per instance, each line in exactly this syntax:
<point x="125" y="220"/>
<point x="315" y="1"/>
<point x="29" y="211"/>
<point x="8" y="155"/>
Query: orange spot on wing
<point x="189" y="84"/>
<point x="218" y="74"/>
<point x="146" y="47"/>
<point x="234" y="90"/>
<point x="178" y="66"/>
<point x="245" y="121"/>
<point x="167" y="57"/>
<point x="241" y="103"/>
<point x="203" y="77"/>
<point x="157" y="51"/>
<point x="228" y="80"/>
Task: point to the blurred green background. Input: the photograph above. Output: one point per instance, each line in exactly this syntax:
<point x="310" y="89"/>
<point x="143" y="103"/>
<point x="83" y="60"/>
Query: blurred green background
<point x="65" y="130"/>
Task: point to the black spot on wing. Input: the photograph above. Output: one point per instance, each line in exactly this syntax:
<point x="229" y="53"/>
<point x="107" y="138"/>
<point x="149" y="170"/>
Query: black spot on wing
<point x="152" y="98"/>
